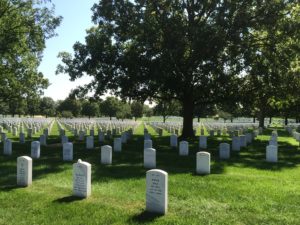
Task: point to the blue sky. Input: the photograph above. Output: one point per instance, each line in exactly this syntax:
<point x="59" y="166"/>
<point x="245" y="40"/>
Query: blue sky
<point x="76" y="19"/>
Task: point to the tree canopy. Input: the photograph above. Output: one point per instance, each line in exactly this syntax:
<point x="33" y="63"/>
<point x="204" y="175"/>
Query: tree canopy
<point x="192" y="51"/>
<point x="24" y="25"/>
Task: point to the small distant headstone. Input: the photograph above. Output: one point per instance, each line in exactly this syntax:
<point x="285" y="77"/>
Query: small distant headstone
<point x="46" y="132"/>
<point x="43" y="140"/>
<point x="24" y="171"/>
<point x="219" y="132"/>
<point x="173" y="141"/>
<point x="124" y="137"/>
<point x="248" y="138"/>
<point x="117" y="145"/>
<point x="147" y="144"/>
<point x="35" y="149"/>
<point x="82" y="179"/>
<point x="203" y="142"/>
<point x="92" y="132"/>
<point x="3" y="136"/>
<point x="272" y="153"/>
<point x="81" y="135"/>
<point x="15" y="131"/>
<point x="7" y="150"/>
<point x="101" y="136"/>
<point x="203" y="163"/>
<point x="157" y="191"/>
<point x="236" y="143"/>
<point x="160" y="132"/>
<point x="64" y="139"/>
<point x="202" y="132"/>
<point x="243" y="141"/>
<point x="68" y="151"/>
<point x="183" y="148"/>
<point x="22" y="138"/>
<point x="150" y="158"/>
<point x="224" y="151"/>
<point x="90" y="142"/>
<point x="106" y="154"/>
<point x="29" y="133"/>
<point x="211" y="133"/>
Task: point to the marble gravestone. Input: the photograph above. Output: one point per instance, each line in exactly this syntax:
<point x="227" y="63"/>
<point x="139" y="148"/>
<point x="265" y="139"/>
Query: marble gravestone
<point x="101" y="136"/>
<point x="68" y="151"/>
<point x="248" y="138"/>
<point x="183" y="148"/>
<point x="157" y="191"/>
<point x="236" y="143"/>
<point x="3" y="136"/>
<point x="272" y="153"/>
<point x="82" y="179"/>
<point x="90" y="142"/>
<point x="224" y="151"/>
<point x="202" y="132"/>
<point x="117" y="145"/>
<point x="35" y="149"/>
<point x="124" y="137"/>
<point x="211" y="133"/>
<point x="147" y="144"/>
<point x="106" y="155"/>
<point x="203" y="142"/>
<point x="81" y="135"/>
<point x="243" y="141"/>
<point x="150" y="158"/>
<point x="24" y="171"/>
<point x="64" y="139"/>
<point x="22" y="138"/>
<point x="203" y="163"/>
<point x="7" y="148"/>
<point x="29" y="133"/>
<point x="43" y="140"/>
<point x="173" y="141"/>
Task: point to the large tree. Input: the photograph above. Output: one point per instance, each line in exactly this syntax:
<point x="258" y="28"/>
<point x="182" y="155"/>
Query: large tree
<point x="24" y="26"/>
<point x="186" y="50"/>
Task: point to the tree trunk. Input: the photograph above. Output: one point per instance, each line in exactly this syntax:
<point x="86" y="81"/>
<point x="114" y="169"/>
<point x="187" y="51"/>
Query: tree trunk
<point x="188" y="115"/>
<point x="261" y="119"/>
<point x="198" y="119"/>
<point x="254" y="119"/>
<point x="286" y="120"/>
<point x="270" y="120"/>
<point x="231" y="120"/>
<point x="164" y="118"/>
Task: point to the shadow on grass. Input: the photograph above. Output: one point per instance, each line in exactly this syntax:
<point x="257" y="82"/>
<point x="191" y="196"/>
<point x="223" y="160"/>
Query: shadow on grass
<point x="68" y="199"/>
<point x="11" y="187"/>
<point x="145" y="217"/>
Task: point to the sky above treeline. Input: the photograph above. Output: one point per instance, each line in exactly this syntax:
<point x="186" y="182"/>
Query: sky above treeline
<point x="76" y="19"/>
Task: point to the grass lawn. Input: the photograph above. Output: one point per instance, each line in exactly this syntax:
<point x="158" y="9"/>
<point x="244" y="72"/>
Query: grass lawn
<point x="242" y="190"/>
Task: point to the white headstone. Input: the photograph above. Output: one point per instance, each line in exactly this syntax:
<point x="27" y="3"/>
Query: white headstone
<point x="249" y="138"/>
<point x="224" y="151"/>
<point x="272" y="153"/>
<point x="150" y="158"/>
<point x="68" y="151"/>
<point x="82" y="179"/>
<point x="24" y="171"/>
<point x="243" y="141"/>
<point x="43" y="140"/>
<point x="203" y="163"/>
<point x="173" y="141"/>
<point x="35" y="149"/>
<point x="7" y="150"/>
<point x="90" y="142"/>
<point x="106" y="154"/>
<point x="117" y="145"/>
<point x="101" y="136"/>
<point x="236" y="143"/>
<point x="22" y="138"/>
<point x="203" y="142"/>
<point x="157" y="191"/>
<point x="124" y="137"/>
<point x="183" y="148"/>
